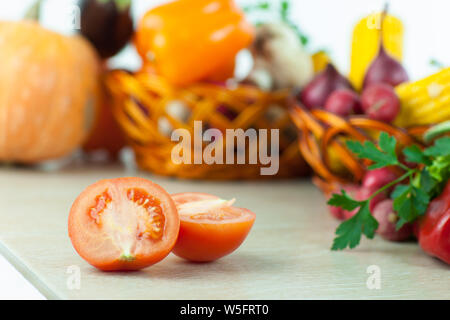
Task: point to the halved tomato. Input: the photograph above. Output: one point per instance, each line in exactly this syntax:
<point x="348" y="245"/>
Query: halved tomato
<point x="210" y="228"/>
<point x="123" y="224"/>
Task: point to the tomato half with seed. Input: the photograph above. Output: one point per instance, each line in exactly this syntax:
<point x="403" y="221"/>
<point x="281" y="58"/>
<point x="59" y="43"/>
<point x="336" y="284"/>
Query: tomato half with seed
<point x="210" y="227"/>
<point x="123" y="224"/>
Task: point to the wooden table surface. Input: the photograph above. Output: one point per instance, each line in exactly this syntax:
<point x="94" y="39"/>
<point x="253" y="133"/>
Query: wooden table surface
<point x="286" y="255"/>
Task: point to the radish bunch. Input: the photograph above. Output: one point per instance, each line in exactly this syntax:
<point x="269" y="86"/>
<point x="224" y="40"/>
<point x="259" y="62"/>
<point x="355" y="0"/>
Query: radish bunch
<point x="381" y="205"/>
<point x="332" y="92"/>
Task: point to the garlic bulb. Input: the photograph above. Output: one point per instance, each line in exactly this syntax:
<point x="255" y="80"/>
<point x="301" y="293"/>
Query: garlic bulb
<point x="278" y="52"/>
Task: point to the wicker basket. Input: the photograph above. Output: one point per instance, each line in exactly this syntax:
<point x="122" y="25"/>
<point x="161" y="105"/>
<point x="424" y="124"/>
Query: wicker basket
<point x="148" y="109"/>
<point x="322" y="143"/>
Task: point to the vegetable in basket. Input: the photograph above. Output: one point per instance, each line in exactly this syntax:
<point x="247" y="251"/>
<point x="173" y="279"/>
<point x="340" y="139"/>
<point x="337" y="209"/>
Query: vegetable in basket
<point x="320" y="61"/>
<point x="425" y="101"/>
<point x="343" y="102"/>
<point x="384" y="68"/>
<point x="188" y="41"/>
<point x="380" y="102"/>
<point x="315" y="93"/>
<point x="366" y="41"/>
<point x="412" y="192"/>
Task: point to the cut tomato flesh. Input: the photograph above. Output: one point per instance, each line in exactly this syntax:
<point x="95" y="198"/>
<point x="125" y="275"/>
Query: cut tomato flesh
<point x="123" y="224"/>
<point x="210" y="227"/>
<point x="187" y="197"/>
<point x="152" y="219"/>
<point x="101" y="202"/>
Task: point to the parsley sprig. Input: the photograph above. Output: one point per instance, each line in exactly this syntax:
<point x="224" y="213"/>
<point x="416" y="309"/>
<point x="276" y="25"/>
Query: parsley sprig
<point x="284" y="15"/>
<point x="424" y="182"/>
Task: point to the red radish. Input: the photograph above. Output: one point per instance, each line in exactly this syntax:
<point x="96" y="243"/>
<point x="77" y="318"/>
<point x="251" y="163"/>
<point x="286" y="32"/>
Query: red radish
<point x="365" y="193"/>
<point x="337" y="212"/>
<point x="343" y="102"/>
<point x="374" y="180"/>
<point x="416" y="228"/>
<point x="377" y="178"/>
<point x="362" y="193"/>
<point x="317" y="91"/>
<point x="387" y="219"/>
<point x="380" y="102"/>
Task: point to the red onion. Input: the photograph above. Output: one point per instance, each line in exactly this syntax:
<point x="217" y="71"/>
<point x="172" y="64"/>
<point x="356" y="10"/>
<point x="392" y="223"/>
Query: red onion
<point x="318" y="90"/>
<point x="385" y="69"/>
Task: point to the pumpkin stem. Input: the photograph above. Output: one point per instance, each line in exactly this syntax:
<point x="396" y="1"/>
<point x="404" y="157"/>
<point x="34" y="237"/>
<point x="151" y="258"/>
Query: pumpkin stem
<point x="34" y="12"/>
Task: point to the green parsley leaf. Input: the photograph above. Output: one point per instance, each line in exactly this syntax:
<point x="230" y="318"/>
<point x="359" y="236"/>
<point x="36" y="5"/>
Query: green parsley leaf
<point x="388" y="144"/>
<point x="426" y="181"/>
<point x="381" y="158"/>
<point x="349" y="232"/>
<point x="344" y="201"/>
<point x="439" y="168"/>
<point x="285" y="6"/>
<point x="441" y="147"/>
<point x="263" y="6"/>
<point x="415" y="154"/>
<point x="410" y="202"/>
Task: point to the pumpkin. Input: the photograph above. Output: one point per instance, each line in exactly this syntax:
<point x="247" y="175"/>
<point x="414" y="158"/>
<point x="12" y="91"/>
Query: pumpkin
<point x="49" y="87"/>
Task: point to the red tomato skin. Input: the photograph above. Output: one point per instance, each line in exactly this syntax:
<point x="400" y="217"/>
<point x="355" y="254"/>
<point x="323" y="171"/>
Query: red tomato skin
<point x="209" y="241"/>
<point x="434" y="227"/>
<point x="105" y="262"/>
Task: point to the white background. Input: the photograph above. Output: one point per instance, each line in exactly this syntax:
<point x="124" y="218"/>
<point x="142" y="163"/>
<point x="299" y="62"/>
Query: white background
<point x="328" y="24"/>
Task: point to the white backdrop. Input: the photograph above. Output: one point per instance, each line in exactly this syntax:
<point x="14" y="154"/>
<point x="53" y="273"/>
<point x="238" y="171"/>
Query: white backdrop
<point x="328" y="23"/>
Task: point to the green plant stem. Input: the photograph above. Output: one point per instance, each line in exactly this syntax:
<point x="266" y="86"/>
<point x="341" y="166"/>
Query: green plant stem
<point x="401" y="165"/>
<point x="34" y="11"/>
<point x="403" y="177"/>
<point x="120" y="4"/>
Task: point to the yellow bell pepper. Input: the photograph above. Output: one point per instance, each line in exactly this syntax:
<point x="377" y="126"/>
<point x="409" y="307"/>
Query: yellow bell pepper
<point x="320" y="60"/>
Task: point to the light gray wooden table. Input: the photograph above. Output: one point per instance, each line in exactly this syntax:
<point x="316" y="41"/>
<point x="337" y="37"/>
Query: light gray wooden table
<point x="286" y="255"/>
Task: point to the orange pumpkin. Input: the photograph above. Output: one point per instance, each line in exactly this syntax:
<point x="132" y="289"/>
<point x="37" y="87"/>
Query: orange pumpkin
<point x="49" y="86"/>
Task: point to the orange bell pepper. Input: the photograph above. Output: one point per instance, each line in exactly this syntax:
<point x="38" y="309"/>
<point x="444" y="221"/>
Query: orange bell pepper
<point x="189" y="40"/>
